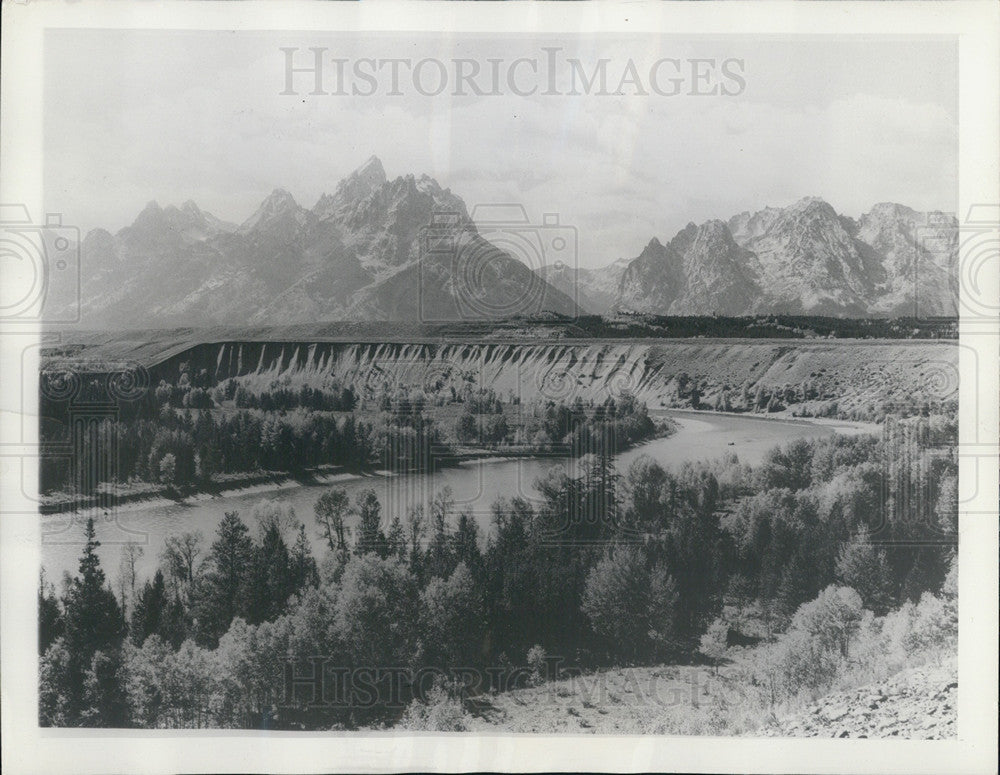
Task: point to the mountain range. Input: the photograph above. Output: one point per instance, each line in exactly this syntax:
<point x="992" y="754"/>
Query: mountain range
<point x="407" y="250"/>
<point x="802" y="259"/>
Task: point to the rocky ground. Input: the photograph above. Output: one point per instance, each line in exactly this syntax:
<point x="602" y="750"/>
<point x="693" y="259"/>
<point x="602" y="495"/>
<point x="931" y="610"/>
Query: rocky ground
<point x="919" y="703"/>
<point x="915" y="704"/>
<point x="639" y="700"/>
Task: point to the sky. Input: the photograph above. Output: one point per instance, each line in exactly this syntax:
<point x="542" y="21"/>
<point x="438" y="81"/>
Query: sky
<point x="132" y="117"/>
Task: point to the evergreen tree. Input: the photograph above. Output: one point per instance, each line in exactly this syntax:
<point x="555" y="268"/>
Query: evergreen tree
<point x="271" y="580"/>
<point x="396" y="539"/>
<point x="175" y="623"/>
<point x="50" y="620"/>
<point x="148" y="616"/>
<point x="440" y="560"/>
<point x="466" y="545"/>
<point x="94" y="623"/>
<point x="370" y="536"/>
<point x="415" y="532"/>
<point x="798" y="584"/>
<point x="230" y="562"/>
<point x="304" y="570"/>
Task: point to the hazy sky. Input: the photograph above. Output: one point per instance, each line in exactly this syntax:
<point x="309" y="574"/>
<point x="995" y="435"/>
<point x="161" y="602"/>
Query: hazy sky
<point x="132" y="117"/>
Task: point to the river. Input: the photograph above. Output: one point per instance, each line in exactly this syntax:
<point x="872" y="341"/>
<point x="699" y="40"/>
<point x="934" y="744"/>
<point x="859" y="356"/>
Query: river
<point x="475" y="486"/>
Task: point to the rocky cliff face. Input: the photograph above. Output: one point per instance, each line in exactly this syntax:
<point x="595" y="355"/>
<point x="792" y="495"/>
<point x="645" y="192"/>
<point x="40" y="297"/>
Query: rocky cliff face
<point x="653" y="281"/>
<point x="802" y="259"/>
<point x="718" y="273"/>
<point x="919" y="252"/>
<point x="701" y="270"/>
<point x="374" y="249"/>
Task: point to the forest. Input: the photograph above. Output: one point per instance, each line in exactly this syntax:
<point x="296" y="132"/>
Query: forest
<point x="404" y="614"/>
<point x="187" y="436"/>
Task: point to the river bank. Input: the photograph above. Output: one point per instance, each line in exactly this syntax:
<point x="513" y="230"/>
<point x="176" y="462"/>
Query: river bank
<point x="150" y="494"/>
<point x="475" y="484"/>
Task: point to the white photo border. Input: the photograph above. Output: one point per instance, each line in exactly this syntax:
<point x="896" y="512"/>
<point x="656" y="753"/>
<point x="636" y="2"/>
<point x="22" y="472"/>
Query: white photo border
<point x="28" y="748"/>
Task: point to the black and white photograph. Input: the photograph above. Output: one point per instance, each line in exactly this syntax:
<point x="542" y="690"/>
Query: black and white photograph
<point x="503" y="381"/>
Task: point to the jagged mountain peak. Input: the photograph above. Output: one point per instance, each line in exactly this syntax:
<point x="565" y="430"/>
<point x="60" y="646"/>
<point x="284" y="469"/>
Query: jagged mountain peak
<point x="156" y="229"/>
<point x="280" y="198"/>
<point x="371" y="168"/>
<point x="279" y="206"/>
<point x="683" y="239"/>
<point x="748" y="225"/>
<point x="356" y="187"/>
<point x="149" y="216"/>
<point x="323" y="203"/>
<point x="159" y="225"/>
<point x="363" y="180"/>
<point x="98" y="236"/>
<point x="713" y="226"/>
<point x="811" y="207"/>
<point x="614" y="269"/>
<point x="410" y="182"/>
<point x="891" y="207"/>
<point x="891" y="211"/>
<point x="807" y="202"/>
<point x="714" y="234"/>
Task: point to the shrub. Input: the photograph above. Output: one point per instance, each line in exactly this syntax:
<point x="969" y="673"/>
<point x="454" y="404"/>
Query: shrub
<point x="441" y="712"/>
<point x="861" y="566"/>
<point x="536" y="663"/>
<point x="811" y="655"/>
<point x="713" y="642"/>
<point x="831" y="619"/>
<point x="931" y="628"/>
<point x="628" y="602"/>
<point x="925" y="629"/>
<point x="804" y="664"/>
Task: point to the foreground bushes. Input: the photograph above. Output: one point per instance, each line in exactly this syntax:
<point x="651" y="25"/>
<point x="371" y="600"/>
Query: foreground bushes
<point x="834" y="643"/>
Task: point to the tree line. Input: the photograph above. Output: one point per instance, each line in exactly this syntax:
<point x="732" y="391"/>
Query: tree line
<point x="180" y="437"/>
<point x="578" y="428"/>
<point x="200" y="446"/>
